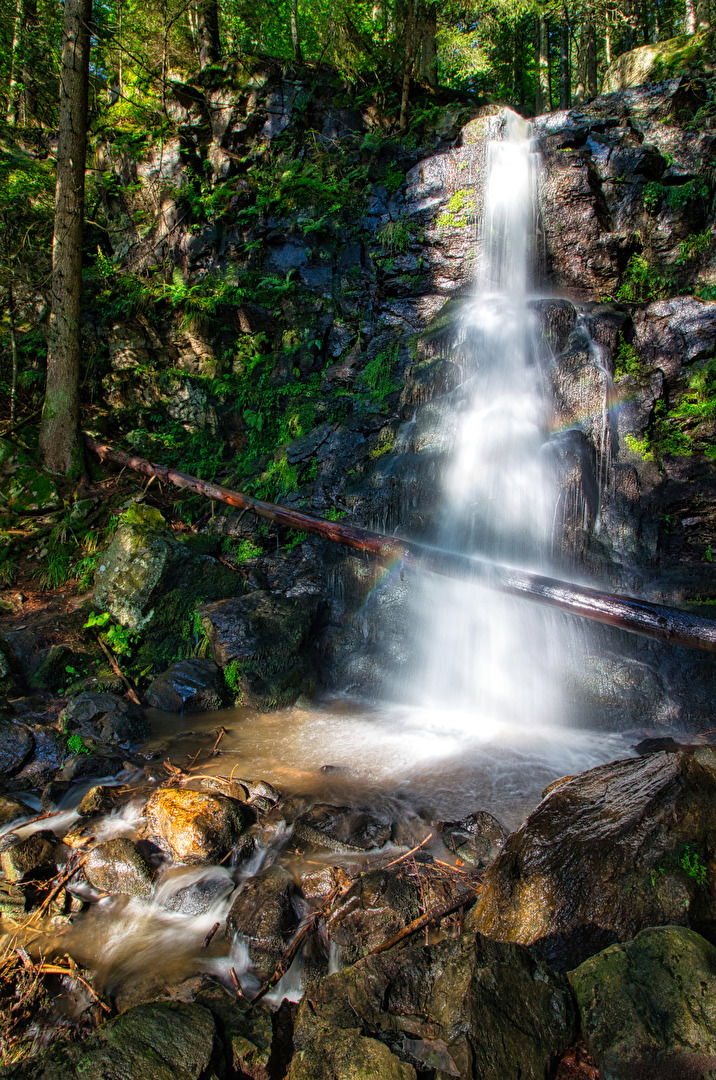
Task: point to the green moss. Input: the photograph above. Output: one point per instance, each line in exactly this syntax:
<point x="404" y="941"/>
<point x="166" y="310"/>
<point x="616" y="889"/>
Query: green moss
<point x="643" y="281"/>
<point x="459" y="207"/>
<point x="628" y="361"/>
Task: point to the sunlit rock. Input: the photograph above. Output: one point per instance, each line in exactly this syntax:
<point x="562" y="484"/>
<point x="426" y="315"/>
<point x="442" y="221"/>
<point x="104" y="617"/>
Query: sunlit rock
<point x="625" y="846"/>
<point x="196" y="827"/>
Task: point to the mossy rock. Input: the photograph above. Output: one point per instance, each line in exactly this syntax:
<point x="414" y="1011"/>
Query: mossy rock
<point x="29" y="489"/>
<point x="12" y="457"/>
<point x="665" y="60"/>
<point x="648" y="1007"/>
<point x="158" y="1041"/>
<point x="153" y="585"/>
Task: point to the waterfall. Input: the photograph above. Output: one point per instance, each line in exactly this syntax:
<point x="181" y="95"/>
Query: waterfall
<point x="480" y="658"/>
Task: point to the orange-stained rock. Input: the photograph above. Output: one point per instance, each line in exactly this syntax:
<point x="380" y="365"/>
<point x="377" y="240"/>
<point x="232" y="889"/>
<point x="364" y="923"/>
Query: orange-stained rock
<point x="195" y="826"/>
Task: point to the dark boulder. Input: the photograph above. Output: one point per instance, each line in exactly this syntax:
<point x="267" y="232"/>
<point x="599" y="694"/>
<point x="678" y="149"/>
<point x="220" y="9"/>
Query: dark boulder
<point x="378" y="906"/>
<point x="341" y="828"/>
<point x="29" y="858"/>
<point x="467" y="1007"/>
<point x="476" y="840"/>
<point x="106" y="717"/>
<point x="264" y="915"/>
<point x="194" y="826"/>
<point x="262" y="643"/>
<point x="622" y="847"/>
<point x="188" y="686"/>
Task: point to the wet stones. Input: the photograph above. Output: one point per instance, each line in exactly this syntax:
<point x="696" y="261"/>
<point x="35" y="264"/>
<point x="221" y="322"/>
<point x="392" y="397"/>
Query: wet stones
<point x="263" y="914"/>
<point x="188" y="686"/>
<point x="196" y="827"/>
<point x="649" y="1007"/>
<point x="117" y="867"/>
<point x="617" y="849"/>
<point x="342" y="828"/>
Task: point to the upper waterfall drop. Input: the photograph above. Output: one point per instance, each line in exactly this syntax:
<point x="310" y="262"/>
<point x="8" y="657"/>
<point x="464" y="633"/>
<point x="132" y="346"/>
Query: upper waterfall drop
<point x="482" y="659"/>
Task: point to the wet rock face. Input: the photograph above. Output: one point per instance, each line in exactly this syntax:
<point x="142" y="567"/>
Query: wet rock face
<point x="262" y="637"/>
<point x="263" y="914"/>
<point x="16" y="745"/>
<point x="598" y="161"/>
<point x="106" y="717"/>
<point x="117" y="867"/>
<point x="649" y="1007"/>
<point x="467" y="1007"/>
<point x="620" y="848"/>
<point x="196" y="827"/>
<point x="188" y="686"/>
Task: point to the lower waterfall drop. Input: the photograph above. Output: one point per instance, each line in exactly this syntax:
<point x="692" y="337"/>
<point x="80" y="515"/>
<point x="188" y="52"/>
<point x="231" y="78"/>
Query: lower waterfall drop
<point x="483" y="661"/>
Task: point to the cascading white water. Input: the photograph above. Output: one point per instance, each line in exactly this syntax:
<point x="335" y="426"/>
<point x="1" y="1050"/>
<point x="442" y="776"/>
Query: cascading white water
<point x="482" y="658"/>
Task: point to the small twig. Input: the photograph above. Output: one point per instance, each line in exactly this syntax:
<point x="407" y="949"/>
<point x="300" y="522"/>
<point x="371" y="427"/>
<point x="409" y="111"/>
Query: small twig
<point x="408" y="853"/>
<point x="235" y="981"/>
<point x="207" y="940"/>
<point x="60" y="885"/>
<point x="131" y="692"/>
<point x="434" y="915"/>
<point x="449" y="866"/>
<point x="222" y="732"/>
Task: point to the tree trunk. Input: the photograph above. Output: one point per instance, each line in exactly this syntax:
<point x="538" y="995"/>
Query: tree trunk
<point x="627" y="613"/>
<point x="592" y="84"/>
<point x="29" y="55"/>
<point x="703" y="14"/>
<point x="296" y="40"/>
<point x="207" y="32"/>
<point x="13" y="349"/>
<point x="690" y="20"/>
<point x="60" y="442"/>
<point x="407" y="64"/>
<point x="542" y="96"/>
<point x="429" y="52"/>
<point x="13" y="93"/>
<point x="565" y="89"/>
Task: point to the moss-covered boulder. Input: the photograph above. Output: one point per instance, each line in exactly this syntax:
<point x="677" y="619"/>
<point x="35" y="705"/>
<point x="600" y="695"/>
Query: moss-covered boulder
<point x="663" y="60"/>
<point x="648" y="1008"/>
<point x="622" y="847"/>
<point x="262" y="642"/>
<point x="263" y="914"/>
<point x="153" y="585"/>
<point x="158" y="1041"/>
<point x="29" y="489"/>
<point x="466" y="1007"/>
<point x="194" y="826"/>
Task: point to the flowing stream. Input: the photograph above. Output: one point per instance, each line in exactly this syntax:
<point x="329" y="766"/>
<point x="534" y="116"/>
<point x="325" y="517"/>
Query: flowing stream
<point x="477" y="720"/>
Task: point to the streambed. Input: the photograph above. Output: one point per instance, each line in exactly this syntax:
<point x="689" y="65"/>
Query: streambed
<point x="408" y="770"/>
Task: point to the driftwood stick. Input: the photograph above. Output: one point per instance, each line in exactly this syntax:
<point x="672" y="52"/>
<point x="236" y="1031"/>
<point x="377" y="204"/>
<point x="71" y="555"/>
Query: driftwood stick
<point x="434" y="915"/>
<point x="627" y="613"/>
<point x="408" y="853"/>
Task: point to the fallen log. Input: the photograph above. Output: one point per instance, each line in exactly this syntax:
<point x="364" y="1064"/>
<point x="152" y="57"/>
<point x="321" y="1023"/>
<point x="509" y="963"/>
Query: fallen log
<point x="625" y="612"/>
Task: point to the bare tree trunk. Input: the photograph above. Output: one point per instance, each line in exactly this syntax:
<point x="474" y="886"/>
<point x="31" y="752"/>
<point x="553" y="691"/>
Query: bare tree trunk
<point x="542" y="95"/>
<point x="429" y="52"/>
<point x="690" y="20"/>
<point x="703" y="14"/>
<point x="565" y="88"/>
<point x="29" y="53"/>
<point x="581" y="87"/>
<point x="15" y="61"/>
<point x="592" y="83"/>
<point x="294" y="32"/>
<point x="13" y="347"/>
<point x="207" y="31"/>
<point x="407" y="63"/>
<point x="60" y="443"/>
